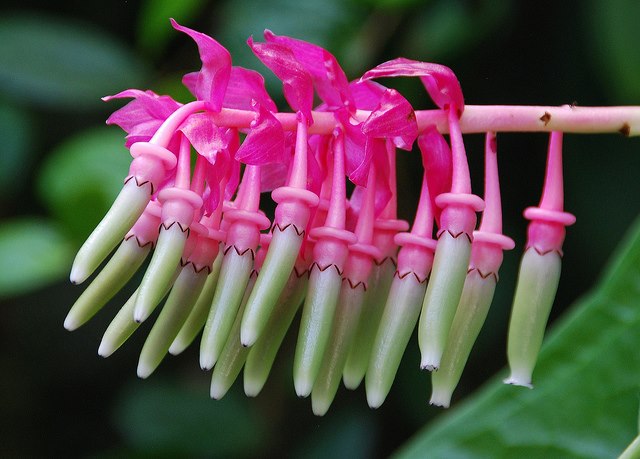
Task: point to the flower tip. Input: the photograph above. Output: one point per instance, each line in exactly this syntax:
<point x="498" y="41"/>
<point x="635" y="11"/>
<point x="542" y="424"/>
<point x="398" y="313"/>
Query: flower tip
<point x="429" y="363"/>
<point x="375" y="398"/>
<point x="350" y="380"/>
<point x="144" y="369"/>
<point x="303" y="386"/>
<point x="78" y="275"/>
<point x="519" y="380"/>
<point x="248" y="336"/>
<point x="105" y="349"/>
<point x="218" y="390"/>
<point x="252" y="388"/>
<point x="320" y="406"/>
<point x="440" y="398"/>
<point x="177" y="347"/>
<point x="71" y="322"/>
<point x="207" y="361"/>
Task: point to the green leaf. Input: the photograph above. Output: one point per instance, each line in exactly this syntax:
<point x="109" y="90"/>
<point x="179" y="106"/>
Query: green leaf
<point x="163" y="419"/>
<point x="614" y="36"/>
<point x="15" y="126"/>
<point x="154" y="30"/>
<point x="81" y="178"/>
<point x="587" y="379"/>
<point x="55" y="62"/>
<point x="33" y="253"/>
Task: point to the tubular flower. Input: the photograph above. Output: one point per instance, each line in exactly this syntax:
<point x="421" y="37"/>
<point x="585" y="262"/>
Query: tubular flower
<point x="539" y="270"/>
<point x="362" y="279"/>
<point x="479" y="285"/>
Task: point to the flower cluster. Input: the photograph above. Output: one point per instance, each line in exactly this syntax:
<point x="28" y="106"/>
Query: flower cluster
<point x="363" y="278"/>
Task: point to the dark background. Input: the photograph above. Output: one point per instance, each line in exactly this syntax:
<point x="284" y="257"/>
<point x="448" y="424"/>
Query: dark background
<point x="57" y="397"/>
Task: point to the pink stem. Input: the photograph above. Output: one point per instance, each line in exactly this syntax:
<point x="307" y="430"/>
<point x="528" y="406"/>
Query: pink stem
<point x="423" y="223"/>
<point x="476" y="119"/>
<point x="337" y="204"/>
<point x="197" y="182"/>
<point x="251" y="188"/>
<point x="165" y="132"/>
<point x="460" y="180"/>
<point x="391" y="209"/>
<point x="492" y="214"/>
<point x="183" y="171"/>
<point x="298" y="177"/>
<point x="364" y="225"/>
<point x="553" y="193"/>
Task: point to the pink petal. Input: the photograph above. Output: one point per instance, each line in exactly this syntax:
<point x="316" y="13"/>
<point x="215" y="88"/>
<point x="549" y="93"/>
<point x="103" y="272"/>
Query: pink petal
<point x="356" y="160"/>
<point x="244" y="86"/>
<point x="208" y="139"/>
<point x="141" y="117"/>
<point x="377" y="154"/>
<point x="437" y="162"/>
<point x="328" y="77"/>
<point x="273" y="175"/>
<point x="297" y="83"/>
<point x="214" y="75"/>
<point x="395" y="119"/>
<point x="265" y="142"/>
<point x="439" y="81"/>
<point x="367" y="94"/>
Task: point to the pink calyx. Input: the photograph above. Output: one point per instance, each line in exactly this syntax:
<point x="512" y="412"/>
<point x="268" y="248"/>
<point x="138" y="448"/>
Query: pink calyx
<point x="145" y="229"/>
<point x="546" y="232"/>
<point x="207" y="244"/>
<point x="179" y="206"/>
<point x="150" y="164"/>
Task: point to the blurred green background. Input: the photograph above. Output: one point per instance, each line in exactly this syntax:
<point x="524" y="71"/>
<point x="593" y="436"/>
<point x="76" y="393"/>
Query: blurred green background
<point x="60" y="168"/>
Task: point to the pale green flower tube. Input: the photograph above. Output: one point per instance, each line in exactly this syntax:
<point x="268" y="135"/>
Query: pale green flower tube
<point x="116" y="273"/>
<point x="175" y="311"/>
<point x="470" y="316"/>
<point x="232" y="283"/>
<point x="315" y="327"/>
<point x="157" y="279"/>
<point x="536" y="289"/>
<point x="122" y="326"/>
<point x="396" y="325"/>
<point x="233" y="354"/>
<point x="374" y="301"/>
<point x="263" y="352"/>
<point x="198" y="316"/>
<point x="278" y="265"/>
<point x="124" y="212"/>
<point x="344" y="327"/>
<point x="449" y="270"/>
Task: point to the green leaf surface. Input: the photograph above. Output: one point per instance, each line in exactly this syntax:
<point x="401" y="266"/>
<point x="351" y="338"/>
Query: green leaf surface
<point x="585" y="400"/>
<point x="81" y="178"/>
<point x="154" y="30"/>
<point x="60" y="63"/>
<point x="33" y="253"/>
<point x="159" y="418"/>
<point x="15" y="126"/>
